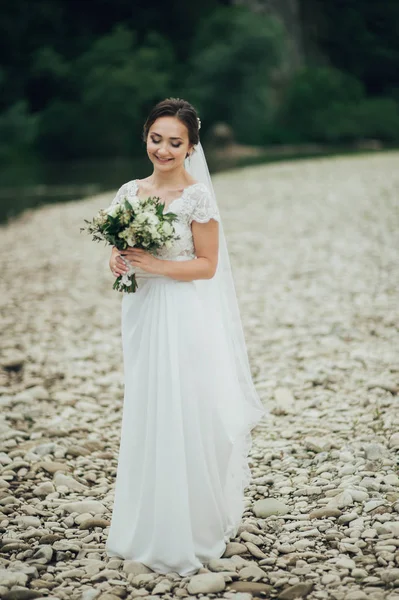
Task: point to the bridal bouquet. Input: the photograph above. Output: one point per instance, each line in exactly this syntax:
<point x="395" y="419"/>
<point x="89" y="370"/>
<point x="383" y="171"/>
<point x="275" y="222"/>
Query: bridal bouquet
<point x="133" y="222"/>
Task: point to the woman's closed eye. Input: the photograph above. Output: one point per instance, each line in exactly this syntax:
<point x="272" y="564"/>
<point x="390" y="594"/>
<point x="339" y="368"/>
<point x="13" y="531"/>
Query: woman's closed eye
<point x="158" y="141"/>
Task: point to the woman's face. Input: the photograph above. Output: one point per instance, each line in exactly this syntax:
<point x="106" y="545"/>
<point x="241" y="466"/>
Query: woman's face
<point x="168" y="143"/>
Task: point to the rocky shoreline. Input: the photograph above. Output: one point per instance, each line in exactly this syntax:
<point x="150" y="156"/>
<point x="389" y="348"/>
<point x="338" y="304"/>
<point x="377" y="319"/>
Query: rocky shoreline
<point x="314" y="249"/>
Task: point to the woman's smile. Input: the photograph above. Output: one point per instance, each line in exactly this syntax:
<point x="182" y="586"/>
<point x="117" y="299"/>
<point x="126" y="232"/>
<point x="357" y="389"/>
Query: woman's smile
<point x="162" y="160"/>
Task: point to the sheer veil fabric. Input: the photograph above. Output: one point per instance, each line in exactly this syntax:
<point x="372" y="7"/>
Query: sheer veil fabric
<point x="220" y="295"/>
<point x="242" y="409"/>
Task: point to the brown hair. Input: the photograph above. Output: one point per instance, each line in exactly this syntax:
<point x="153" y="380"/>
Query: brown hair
<point x="175" y="107"/>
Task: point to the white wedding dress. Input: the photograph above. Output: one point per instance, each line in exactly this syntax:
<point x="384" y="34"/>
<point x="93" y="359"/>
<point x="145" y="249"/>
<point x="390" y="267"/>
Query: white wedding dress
<point x="179" y="490"/>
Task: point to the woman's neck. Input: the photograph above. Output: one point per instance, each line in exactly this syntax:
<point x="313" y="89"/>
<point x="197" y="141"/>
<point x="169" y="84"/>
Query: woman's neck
<point x="175" y="179"/>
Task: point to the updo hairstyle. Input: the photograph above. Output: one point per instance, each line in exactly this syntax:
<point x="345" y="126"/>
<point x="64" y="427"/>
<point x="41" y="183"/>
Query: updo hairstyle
<point x="175" y="107"/>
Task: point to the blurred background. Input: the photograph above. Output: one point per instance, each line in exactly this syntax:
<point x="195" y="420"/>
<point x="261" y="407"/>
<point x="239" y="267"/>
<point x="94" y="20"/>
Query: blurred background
<point x="270" y="79"/>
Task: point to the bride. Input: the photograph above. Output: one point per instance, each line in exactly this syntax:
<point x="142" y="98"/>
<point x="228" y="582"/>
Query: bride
<point x="189" y="401"/>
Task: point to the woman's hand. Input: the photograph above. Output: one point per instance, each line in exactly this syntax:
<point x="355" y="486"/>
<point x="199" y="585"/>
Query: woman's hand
<point x="143" y="259"/>
<point x="116" y="264"/>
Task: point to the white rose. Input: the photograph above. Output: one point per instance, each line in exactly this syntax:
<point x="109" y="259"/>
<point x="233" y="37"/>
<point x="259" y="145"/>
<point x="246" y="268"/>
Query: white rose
<point x="168" y="244"/>
<point x="134" y="203"/>
<point x="112" y="210"/>
<point x="153" y="219"/>
<point x="154" y="232"/>
<point x="167" y="228"/>
<point x="141" y="218"/>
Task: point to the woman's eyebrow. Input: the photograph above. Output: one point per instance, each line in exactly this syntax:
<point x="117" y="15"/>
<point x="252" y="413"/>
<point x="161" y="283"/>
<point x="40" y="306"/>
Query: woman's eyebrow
<point x="159" y="135"/>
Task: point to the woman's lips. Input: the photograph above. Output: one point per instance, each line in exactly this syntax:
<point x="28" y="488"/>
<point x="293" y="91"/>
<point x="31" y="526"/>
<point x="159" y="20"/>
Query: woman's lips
<point x="163" y="160"/>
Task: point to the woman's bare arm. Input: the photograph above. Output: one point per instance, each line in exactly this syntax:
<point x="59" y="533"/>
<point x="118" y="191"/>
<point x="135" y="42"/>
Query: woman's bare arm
<point x="206" y="247"/>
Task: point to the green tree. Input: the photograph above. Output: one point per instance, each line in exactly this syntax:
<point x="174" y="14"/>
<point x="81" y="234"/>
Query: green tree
<point x="359" y="37"/>
<point x="18" y="130"/>
<point x="233" y="56"/>
<point x="327" y="105"/>
<point x="114" y="83"/>
<point x="308" y="95"/>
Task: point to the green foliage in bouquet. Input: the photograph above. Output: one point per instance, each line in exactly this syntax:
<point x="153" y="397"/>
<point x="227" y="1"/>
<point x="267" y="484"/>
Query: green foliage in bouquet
<point x="133" y="222"/>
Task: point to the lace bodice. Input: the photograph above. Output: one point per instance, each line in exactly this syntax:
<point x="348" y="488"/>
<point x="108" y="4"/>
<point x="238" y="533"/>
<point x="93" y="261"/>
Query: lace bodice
<point x="195" y="204"/>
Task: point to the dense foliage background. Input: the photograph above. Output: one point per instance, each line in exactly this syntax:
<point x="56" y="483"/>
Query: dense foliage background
<point x="77" y="78"/>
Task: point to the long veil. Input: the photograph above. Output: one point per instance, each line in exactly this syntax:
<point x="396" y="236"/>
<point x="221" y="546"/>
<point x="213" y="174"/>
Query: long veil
<point x="244" y="409"/>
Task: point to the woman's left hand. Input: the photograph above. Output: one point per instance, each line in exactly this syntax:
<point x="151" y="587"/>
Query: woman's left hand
<point x="142" y="259"/>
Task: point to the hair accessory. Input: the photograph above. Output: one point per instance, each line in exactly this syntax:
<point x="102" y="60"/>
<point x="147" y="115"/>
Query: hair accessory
<point x="199" y="123"/>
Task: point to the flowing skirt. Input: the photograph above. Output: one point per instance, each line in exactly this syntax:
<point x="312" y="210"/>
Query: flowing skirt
<point x="183" y="456"/>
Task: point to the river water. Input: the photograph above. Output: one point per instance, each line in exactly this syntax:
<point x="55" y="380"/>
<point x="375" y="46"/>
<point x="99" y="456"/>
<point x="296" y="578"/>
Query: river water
<point x="29" y="185"/>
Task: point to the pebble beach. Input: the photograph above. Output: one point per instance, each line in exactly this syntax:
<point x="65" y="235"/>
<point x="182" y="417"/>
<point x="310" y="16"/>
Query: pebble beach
<point x="314" y="247"/>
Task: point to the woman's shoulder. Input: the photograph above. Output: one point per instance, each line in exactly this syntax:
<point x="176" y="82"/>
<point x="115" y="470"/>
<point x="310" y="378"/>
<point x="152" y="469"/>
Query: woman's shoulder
<point x="197" y="191"/>
<point x="126" y="189"/>
<point x="128" y="185"/>
<point x="202" y="203"/>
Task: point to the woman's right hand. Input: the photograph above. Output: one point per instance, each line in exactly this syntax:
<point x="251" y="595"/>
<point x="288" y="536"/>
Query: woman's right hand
<point x="116" y="263"/>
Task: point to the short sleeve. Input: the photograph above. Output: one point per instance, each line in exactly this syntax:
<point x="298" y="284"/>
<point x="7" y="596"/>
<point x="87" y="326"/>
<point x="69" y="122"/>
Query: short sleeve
<point x="127" y="189"/>
<point x="204" y="206"/>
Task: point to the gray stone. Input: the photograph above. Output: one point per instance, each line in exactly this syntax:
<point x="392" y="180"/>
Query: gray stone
<point x="319" y="513"/>
<point x="317" y="444"/>
<point x="46" y="448"/>
<point x="299" y="590"/>
<point x="372" y="505"/>
<point x="252" y="572"/>
<point x="221" y="564"/>
<point x="206" y="583"/>
<point x="254" y="588"/>
<point x="394" y="440"/>
<point x="344" y="562"/>
<point x="22" y="594"/>
<point x="269" y="506"/>
<point x="341" y="500"/>
<point x="163" y="587"/>
<point x="285" y="402"/>
<point x="254" y="550"/>
<point x="84" y="506"/>
<point x="375" y="451"/>
<point x="234" y="548"/>
<point x="51" y="466"/>
<point x="69" y="482"/>
<point x="44" y="489"/>
<point x="134" y="567"/>
<point x="27" y="521"/>
<point x="143" y="579"/>
<point x="390" y="575"/>
<point x="105" y="574"/>
<point x="43" y="554"/>
<point x="357" y="595"/>
<point x="9" y="577"/>
<point x="94" y="522"/>
<point x="391" y="479"/>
